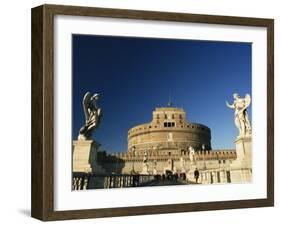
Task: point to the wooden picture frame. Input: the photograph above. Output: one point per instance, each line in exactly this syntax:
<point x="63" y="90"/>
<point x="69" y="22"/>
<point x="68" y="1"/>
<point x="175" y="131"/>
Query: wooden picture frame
<point x="42" y="203"/>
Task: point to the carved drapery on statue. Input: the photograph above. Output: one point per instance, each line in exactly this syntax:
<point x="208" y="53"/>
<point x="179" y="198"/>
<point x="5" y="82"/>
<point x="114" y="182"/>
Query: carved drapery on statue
<point x="241" y="117"/>
<point x="93" y="116"/>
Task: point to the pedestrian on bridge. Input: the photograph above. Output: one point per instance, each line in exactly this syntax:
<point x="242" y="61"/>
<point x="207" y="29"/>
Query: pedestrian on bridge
<point x="196" y="175"/>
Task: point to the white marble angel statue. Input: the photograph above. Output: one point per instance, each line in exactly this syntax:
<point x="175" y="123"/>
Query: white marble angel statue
<point x="191" y="154"/>
<point x="93" y="116"/>
<point x="145" y="157"/>
<point x="241" y="118"/>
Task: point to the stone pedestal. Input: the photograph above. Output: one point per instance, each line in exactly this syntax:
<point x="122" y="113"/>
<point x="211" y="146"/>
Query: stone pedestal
<point x="85" y="157"/>
<point x="241" y="168"/>
<point x="145" y="169"/>
<point x="190" y="174"/>
<point x="243" y="152"/>
<point x="182" y="165"/>
<point x="168" y="166"/>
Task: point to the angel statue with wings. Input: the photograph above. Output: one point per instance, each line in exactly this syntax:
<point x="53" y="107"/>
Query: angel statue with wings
<point x="92" y="116"/>
<point x="241" y="118"/>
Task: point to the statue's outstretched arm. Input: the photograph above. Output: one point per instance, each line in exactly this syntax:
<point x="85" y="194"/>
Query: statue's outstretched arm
<point x="229" y="105"/>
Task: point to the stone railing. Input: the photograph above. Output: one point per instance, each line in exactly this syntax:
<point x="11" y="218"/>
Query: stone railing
<point x="80" y="181"/>
<point x="83" y="181"/>
<point x="214" y="176"/>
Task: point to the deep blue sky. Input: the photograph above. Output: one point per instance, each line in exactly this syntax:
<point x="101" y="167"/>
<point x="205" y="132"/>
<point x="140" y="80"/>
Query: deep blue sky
<point x="135" y="75"/>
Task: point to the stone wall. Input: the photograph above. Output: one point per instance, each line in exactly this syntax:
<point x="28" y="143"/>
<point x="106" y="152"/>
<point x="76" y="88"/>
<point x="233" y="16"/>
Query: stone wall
<point x="127" y="162"/>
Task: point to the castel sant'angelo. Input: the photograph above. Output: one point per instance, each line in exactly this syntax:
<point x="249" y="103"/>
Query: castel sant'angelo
<point x="168" y="133"/>
<point x="170" y="143"/>
<point x="167" y="142"/>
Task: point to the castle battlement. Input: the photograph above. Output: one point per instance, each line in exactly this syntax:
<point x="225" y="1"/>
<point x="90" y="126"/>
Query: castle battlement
<point x="228" y="154"/>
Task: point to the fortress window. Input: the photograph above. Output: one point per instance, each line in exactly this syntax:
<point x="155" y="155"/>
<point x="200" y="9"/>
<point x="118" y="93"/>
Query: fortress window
<point x="149" y="127"/>
<point x="223" y="161"/>
<point x="169" y="124"/>
<point x="165" y="116"/>
<point x="173" y="116"/>
<point x="180" y="116"/>
<point x="157" y="116"/>
<point x="219" y="161"/>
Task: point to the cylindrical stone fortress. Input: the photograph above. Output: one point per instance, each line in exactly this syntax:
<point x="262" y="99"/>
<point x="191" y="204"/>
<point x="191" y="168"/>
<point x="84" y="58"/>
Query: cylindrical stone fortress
<point x="169" y="130"/>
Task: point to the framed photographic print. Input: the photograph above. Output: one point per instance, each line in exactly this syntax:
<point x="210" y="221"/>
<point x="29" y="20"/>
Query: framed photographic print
<point x="141" y="112"/>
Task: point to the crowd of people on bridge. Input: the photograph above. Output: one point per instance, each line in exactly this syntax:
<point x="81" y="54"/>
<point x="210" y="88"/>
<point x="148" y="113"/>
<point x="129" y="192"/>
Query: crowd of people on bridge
<point x="174" y="177"/>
